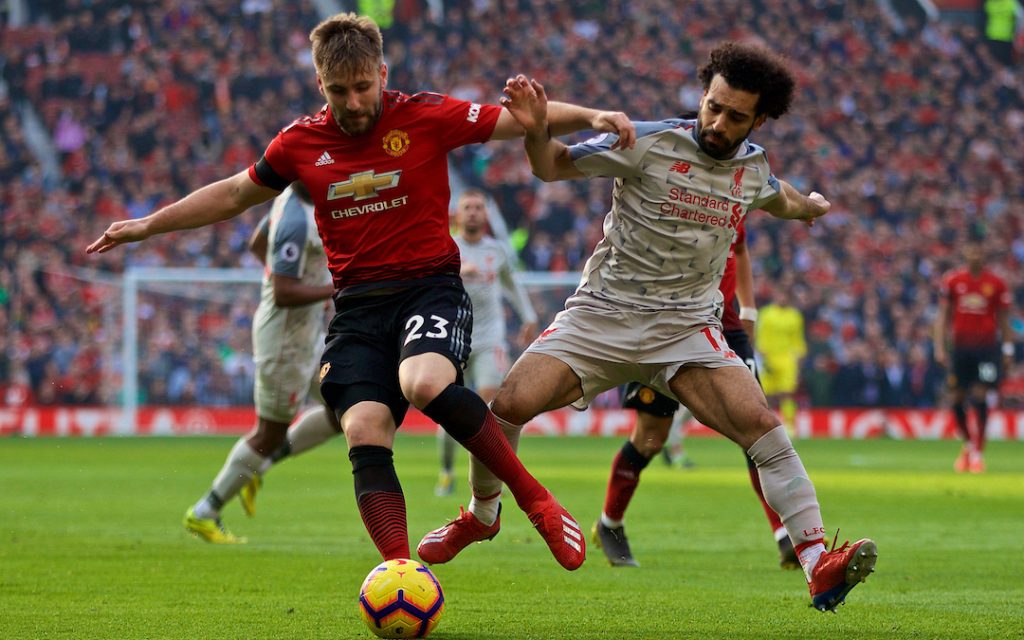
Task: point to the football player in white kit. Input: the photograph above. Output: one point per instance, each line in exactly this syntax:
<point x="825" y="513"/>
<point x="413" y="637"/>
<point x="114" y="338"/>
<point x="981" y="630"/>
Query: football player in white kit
<point x="487" y="273"/>
<point x="287" y="337"/>
<point x="648" y="306"/>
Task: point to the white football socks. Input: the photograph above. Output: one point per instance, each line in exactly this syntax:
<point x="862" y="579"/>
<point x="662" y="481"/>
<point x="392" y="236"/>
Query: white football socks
<point x="789" y="491"/>
<point x="311" y="429"/>
<point x="809" y="558"/>
<point x="242" y="463"/>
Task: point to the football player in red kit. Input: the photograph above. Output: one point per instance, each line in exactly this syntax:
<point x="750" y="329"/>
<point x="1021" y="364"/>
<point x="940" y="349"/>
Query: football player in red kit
<point x="375" y="162"/>
<point x="976" y="303"/>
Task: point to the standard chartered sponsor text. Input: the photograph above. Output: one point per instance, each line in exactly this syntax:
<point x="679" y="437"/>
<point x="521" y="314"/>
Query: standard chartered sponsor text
<point x="684" y="213"/>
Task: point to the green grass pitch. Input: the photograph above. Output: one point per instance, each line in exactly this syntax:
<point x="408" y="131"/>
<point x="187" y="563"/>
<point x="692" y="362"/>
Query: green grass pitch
<point x="91" y="546"/>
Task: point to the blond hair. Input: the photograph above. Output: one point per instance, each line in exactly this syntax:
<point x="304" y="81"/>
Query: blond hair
<point x="347" y="42"/>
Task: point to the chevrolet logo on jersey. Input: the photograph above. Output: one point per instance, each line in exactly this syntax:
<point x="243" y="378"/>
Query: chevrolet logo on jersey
<point x="363" y="185"/>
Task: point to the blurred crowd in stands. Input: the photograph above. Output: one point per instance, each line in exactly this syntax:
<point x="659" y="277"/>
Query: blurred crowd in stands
<point x="912" y="129"/>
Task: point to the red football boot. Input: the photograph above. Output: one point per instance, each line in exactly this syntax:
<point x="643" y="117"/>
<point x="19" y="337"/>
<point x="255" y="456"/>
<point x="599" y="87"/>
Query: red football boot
<point x="441" y="545"/>
<point x="560" y="530"/>
<point x="840" y="570"/>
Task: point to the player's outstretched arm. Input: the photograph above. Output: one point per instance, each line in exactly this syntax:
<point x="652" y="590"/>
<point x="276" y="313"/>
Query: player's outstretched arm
<point x="793" y="205"/>
<point x="549" y="159"/>
<point x="213" y="203"/>
<point x="568" y="118"/>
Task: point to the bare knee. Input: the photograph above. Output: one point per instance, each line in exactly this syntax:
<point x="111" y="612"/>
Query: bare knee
<point x="424" y="377"/>
<point x="421" y="391"/>
<point x="765" y="421"/>
<point x="650" y="433"/>
<point x="504" y="407"/>
<point x="368" y="423"/>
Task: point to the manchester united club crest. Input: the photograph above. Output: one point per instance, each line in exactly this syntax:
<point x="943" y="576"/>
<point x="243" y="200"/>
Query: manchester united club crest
<point x="396" y="142"/>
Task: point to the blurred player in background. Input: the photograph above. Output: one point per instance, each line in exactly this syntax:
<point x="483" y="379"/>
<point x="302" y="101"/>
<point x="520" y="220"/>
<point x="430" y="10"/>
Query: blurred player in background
<point x="648" y="304"/>
<point x="975" y="302"/>
<point x="656" y="414"/>
<point x="287" y="338"/>
<point x="658" y="409"/>
<point x="375" y="162"/>
<point x="782" y="345"/>
<point x="487" y="273"/>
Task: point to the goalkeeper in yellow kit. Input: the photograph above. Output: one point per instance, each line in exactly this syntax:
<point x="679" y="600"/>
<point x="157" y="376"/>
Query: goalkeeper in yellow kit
<point x="781" y="343"/>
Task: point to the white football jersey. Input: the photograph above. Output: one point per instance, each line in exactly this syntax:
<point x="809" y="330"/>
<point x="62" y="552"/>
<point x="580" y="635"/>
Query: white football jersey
<point x="492" y="276"/>
<point x="673" y="217"/>
<point x="294" y="249"/>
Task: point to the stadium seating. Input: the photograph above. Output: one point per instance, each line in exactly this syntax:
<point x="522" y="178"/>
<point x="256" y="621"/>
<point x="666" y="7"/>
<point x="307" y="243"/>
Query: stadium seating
<point x="912" y="130"/>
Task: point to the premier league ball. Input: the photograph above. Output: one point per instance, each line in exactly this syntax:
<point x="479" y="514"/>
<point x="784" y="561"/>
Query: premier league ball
<point x="401" y="599"/>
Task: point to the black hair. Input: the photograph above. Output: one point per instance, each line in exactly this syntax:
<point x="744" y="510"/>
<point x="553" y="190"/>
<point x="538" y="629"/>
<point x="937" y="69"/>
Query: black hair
<point x="753" y="69"/>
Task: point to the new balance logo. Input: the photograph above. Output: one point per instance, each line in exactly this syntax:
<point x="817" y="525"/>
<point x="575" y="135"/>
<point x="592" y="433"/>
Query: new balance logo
<point x="680" y="167"/>
<point x="324" y="159"/>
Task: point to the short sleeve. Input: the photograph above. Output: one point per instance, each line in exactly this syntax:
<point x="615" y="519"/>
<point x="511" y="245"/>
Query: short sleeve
<point x="288" y="243"/>
<point x="274" y="169"/>
<point x="464" y="122"/>
<point x="770" y="187"/>
<point x="595" y="157"/>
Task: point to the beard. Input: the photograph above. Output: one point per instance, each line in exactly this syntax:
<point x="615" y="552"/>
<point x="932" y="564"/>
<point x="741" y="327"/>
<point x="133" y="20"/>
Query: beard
<point x="356" y="123"/>
<point x="716" y="145"/>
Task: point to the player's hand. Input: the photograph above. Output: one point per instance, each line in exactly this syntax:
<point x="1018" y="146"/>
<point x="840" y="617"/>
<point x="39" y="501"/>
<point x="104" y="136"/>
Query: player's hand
<point x="527" y="103"/>
<point x="940" y="357"/>
<point x="618" y="123"/>
<point x="817" y="207"/>
<point x="527" y="332"/>
<point x="117" y="234"/>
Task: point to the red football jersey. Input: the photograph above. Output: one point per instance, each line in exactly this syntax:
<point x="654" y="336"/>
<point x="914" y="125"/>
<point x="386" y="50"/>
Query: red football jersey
<point x="974" y="301"/>
<point x="731" y="316"/>
<point x="382" y="197"/>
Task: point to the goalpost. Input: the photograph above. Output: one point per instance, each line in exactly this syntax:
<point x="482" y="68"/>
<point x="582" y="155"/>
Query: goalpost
<point x="547" y="291"/>
<point x="136" y="278"/>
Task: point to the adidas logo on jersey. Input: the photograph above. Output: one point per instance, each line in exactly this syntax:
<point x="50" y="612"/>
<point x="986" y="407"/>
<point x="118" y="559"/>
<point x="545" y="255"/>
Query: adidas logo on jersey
<point x="324" y="159"/>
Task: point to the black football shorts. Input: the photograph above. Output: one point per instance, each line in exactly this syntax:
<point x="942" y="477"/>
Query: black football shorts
<point x="975" y="365"/>
<point x="371" y="334"/>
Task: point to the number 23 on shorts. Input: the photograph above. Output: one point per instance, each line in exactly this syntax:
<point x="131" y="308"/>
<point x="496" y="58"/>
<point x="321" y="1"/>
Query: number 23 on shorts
<point x="436" y="327"/>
